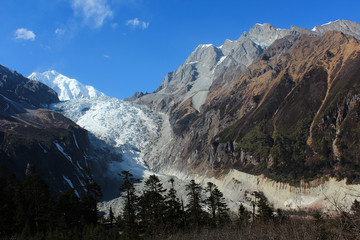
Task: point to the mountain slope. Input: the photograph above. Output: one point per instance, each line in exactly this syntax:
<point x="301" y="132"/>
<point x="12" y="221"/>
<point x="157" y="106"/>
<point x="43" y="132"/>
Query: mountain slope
<point x="285" y="116"/>
<point x="66" y="88"/>
<point x="14" y="86"/>
<point x="29" y="135"/>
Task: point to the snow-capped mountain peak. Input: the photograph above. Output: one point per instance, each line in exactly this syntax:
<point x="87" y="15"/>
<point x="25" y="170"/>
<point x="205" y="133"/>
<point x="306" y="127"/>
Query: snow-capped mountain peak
<point x="66" y="88"/>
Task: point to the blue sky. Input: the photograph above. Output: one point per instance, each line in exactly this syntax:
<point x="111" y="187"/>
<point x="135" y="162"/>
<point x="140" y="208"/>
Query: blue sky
<point x="124" y="46"/>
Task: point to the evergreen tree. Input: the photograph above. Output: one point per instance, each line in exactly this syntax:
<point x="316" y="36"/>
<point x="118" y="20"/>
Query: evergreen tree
<point x="92" y="194"/>
<point x="244" y="216"/>
<point x="216" y="204"/>
<point x="174" y="213"/>
<point x="130" y="206"/>
<point x="36" y="206"/>
<point x="194" y="207"/>
<point x="264" y="212"/>
<point x="9" y="190"/>
<point x="68" y="207"/>
<point x="111" y="216"/>
<point x="152" y="206"/>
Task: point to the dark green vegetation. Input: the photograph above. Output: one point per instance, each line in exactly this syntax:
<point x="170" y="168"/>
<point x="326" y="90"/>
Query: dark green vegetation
<point x="158" y="212"/>
<point x="28" y="211"/>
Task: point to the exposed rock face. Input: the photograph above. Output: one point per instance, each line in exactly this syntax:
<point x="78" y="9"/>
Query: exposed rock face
<point x="34" y="136"/>
<point x="193" y="79"/>
<point x="344" y="26"/>
<point x="262" y="104"/>
<point x="285" y="116"/>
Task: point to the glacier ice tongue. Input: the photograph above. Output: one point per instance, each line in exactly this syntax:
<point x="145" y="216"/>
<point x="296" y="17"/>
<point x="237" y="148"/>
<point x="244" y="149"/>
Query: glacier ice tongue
<point x="118" y="124"/>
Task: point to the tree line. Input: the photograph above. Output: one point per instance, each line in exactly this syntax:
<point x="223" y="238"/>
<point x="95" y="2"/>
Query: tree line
<point x="29" y="211"/>
<point x="158" y="212"/>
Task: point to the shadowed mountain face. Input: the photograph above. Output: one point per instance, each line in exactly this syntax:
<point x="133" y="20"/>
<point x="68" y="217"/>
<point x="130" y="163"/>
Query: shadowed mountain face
<point x="20" y="89"/>
<point x="35" y="136"/>
<point x="292" y="114"/>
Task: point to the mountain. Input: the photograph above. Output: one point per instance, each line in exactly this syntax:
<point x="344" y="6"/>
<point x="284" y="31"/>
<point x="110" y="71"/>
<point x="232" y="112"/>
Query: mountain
<point x="193" y="79"/>
<point x="66" y="88"/>
<point x="34" y="136"/>
<point x="289" y="116"/>
<point x="278" y="104"/>
<point x="274" y="111"/>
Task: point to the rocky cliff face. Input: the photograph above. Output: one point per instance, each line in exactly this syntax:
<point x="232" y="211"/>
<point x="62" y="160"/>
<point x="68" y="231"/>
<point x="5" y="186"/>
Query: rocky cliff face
<point x="278" y="102"/>
<point x="29" y="135"/>
<point x="288" y="115"/>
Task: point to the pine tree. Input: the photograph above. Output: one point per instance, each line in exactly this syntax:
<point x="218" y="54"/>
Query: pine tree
<point x="244" y="216"/>
<point x="216" y="204"/>
<point x="36" y="206"/>
<point x="152" y="206"/>
<point x="194" y="207"/>
<point x="92" y="194"/>
<point x="111" y="216"/>
<point x="174" y="213"/>
<point x="69" y="208"/>
<point x="130" y="206"/>
<point x="9" y="190"/>
<point x="264" y="212"/>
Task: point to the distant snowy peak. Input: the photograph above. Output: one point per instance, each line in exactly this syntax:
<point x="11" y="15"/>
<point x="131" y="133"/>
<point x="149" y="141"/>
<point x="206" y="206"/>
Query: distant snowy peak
<point x="66" y="88"/>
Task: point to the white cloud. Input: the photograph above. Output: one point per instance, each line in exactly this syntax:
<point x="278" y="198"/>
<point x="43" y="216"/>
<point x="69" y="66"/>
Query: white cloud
<point x="60" y="31"/>
<point x="94" y="12"/>
<point x="106" y="56"/>
<point x="136" y="23"/>
<point x="23" y="33"/>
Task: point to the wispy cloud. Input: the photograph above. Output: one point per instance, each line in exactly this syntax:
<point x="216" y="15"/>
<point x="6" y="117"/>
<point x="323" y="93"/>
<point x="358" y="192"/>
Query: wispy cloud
<point x="106" y="56"/>
<point x="136" y="23"/>
<point x="23" y="33"/>
<point x="93" y="12"/>
<point x="59" y="31"/>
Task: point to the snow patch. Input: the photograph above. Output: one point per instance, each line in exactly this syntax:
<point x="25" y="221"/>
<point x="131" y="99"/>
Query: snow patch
<point x="327" y="23"/>
<point x="221" y="60"/>
<point x="205" y="45"/>
<point x="62" y="151"/>
<point x="68" y="181"/>
<point x="41" y="146"/>
<point x="75" y="141"/>
<point x="189" y="63"/>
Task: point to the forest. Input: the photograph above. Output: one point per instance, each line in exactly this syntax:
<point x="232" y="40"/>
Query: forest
<point x="29" y="211"/>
